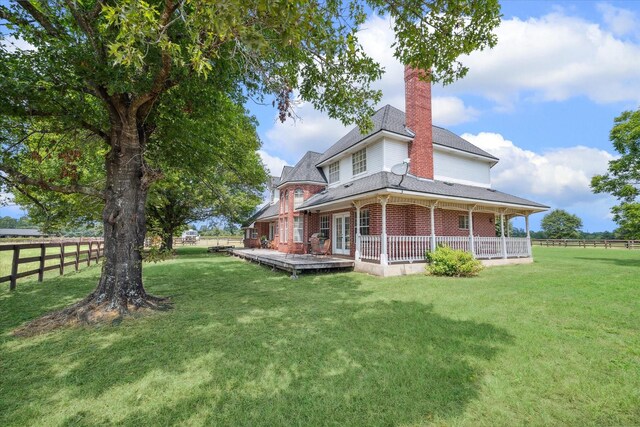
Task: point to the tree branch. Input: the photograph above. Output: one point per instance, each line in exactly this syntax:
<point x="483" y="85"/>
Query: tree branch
<point x="18" y="177"/>
<point x="41" y="18"/>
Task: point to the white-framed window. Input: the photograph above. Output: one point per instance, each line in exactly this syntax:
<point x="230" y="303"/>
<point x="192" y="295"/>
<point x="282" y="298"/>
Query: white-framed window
<point x="364" y="222"/>
<point x="286" y="230"/>
<point x="286" y="201"/>
<point x="324" y="225"/>
<point x="359" y="161"/>
<point x="463" y="222"/>
<point x="297" y="229"/>
<point x="334" y="172"/>
<point x="276" y="232"/>
<point x="298" y="197"/>
<point x="254" y="233"/>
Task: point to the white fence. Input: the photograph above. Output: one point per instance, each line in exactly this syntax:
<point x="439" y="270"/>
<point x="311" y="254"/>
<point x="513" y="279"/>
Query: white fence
<point x="455" y="242"/>
<point x="370" y="247"/>
<point x="518" y="246"/>
<point x="413" y="248"/>
<point x="407" y="248"/>
<point x="488" y="247"/>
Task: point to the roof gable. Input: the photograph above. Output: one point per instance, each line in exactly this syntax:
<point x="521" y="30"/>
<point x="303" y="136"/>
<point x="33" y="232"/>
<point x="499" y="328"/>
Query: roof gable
<point x="391" y="119"/>
<point x="305" y="170"/>
<point x="387" y="118"/>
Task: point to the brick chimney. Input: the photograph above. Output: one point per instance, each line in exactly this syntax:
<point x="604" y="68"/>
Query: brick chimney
<point x="417" y="95"/>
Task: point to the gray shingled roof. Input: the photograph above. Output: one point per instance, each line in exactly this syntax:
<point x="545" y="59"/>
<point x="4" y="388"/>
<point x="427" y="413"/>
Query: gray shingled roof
<point x="449" y="139"/>
<point x="305" y="170"/>
<point x="383" y="180"/>
<point x="393" y="120"/>
<point x="26" y="232"/>
<point x="267" y="211"/>
<point x="285" y="171"/>
<point x="387" y="118"/>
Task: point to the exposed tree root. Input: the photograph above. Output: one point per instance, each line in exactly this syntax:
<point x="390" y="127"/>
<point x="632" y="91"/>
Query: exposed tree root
<point x="90" y="312"/>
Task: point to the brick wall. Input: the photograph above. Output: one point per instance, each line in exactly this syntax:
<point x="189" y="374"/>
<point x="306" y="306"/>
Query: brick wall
<point x="418" y="118"/>
<point x="289" y="245"/>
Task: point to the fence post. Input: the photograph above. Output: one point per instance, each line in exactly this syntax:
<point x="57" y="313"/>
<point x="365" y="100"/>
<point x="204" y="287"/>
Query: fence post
<point x="43" y="251"/>
<point x="77" y="255"/>
<point x="14" y="267"/>
<point x="61" y="258"/>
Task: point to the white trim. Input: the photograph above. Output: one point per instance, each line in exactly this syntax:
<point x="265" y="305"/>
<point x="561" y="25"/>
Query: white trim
<point x="356" y="146"/>
<point x="460" y="181"/>
<point x="318" y="183"/>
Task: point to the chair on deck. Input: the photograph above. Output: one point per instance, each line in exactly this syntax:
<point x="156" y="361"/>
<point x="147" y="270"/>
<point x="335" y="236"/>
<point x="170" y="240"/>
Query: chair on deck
<point x="318" y="248"/>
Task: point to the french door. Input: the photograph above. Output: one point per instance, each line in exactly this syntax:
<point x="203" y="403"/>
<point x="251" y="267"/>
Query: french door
<point x="341" y="235"/>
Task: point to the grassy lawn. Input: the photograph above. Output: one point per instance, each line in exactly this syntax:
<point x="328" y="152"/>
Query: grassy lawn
<point x="556" y="342"/>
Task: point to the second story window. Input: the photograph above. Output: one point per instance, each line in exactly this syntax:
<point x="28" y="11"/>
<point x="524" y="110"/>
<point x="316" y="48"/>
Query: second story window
<point x="359" y="161"/>
<point x="298" y="197"/>
<point x="286" y="201"/>
<point x="334" y="172"/>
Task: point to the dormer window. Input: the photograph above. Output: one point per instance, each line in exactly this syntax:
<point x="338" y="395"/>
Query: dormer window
<point x="334" y="172"/>
<point x="298" y="197"/>
<point x="359" y="161"/>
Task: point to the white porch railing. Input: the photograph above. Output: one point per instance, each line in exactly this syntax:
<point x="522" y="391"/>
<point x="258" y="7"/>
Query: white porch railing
<point x="488" y="247"/>
<point x="454" y="242"/>
<point x="518" y="246"/>
<point x="407" y="248"/>
<point x="413" y="248"/>
<point x="370" y="247"/>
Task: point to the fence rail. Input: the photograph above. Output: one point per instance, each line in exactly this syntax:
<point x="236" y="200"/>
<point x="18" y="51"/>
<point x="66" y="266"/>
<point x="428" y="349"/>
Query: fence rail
<point x="78" y="255"/>
<point x="370" y="247"/>
<point x="583" y="243"/>
<point x="408" y="248"/>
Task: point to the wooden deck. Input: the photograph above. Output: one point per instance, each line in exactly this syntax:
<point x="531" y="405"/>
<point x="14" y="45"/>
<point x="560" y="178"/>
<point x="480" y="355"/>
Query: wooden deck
<point x="294" y="263"/>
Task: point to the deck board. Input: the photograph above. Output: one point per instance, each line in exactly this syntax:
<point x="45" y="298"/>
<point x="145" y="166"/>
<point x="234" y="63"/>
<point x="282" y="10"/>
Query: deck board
<point x="293" y="263"/>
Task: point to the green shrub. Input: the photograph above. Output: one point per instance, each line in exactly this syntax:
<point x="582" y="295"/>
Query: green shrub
<point x="448" y="262"/>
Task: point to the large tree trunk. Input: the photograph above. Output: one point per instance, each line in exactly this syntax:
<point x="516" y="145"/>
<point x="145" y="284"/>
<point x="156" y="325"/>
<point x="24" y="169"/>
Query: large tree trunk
<point x="120" y="285"/>
<point x="120" y="289"/>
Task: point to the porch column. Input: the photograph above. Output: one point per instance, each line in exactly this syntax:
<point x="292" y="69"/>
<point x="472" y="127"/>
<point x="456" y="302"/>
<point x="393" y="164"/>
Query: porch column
<point x="383" y="235"/>
<point x="433" y="228"/>
<point x="357" y="205"/>
<point x="471" y="242"/>
<point x="526" y="226"/>
<point x="504" y="240"/>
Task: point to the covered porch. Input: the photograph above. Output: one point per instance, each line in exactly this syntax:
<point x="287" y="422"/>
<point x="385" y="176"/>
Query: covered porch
<point x="387" y="247"/>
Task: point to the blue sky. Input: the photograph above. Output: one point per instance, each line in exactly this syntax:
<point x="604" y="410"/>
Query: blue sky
<point x="543" y="101"/>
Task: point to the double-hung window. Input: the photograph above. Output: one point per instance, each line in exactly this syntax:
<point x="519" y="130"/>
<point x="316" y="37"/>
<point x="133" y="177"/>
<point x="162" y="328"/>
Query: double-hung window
<point x="364" y="222"/>
<point x="359" y="161"/>
<point x="298" y="197"/>
<point x="324" y="226"/>
<point x="463" y="222"/>
<point x="334" y="172"/>
<point x="297" y="229"/>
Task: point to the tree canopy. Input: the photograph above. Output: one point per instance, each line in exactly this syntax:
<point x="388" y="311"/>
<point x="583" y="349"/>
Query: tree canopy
<point x="112" y="74"/>
<point x="622" y="179"/>
<point x="560" y="224"/>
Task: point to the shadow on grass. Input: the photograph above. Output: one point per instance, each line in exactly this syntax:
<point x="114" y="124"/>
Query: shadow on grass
<point x="617" y="261"/>
<point x="245" y="346"/>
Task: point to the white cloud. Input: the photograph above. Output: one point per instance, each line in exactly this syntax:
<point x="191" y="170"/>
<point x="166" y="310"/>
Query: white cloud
<point x="449" y="111"/>
<point x="620" y="21"/>
<point x="11" y="44"/>
<point x="554" y="58"/>
<point x="560" y="177"/>
<point x="274" y="164"/>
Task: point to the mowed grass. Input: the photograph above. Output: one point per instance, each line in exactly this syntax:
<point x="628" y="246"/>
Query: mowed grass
<point x="553" y="343"/>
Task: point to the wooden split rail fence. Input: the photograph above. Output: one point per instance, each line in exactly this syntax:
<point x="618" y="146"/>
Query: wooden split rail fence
<point x="583" y="243"/>
<point x="69" y="254"/>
